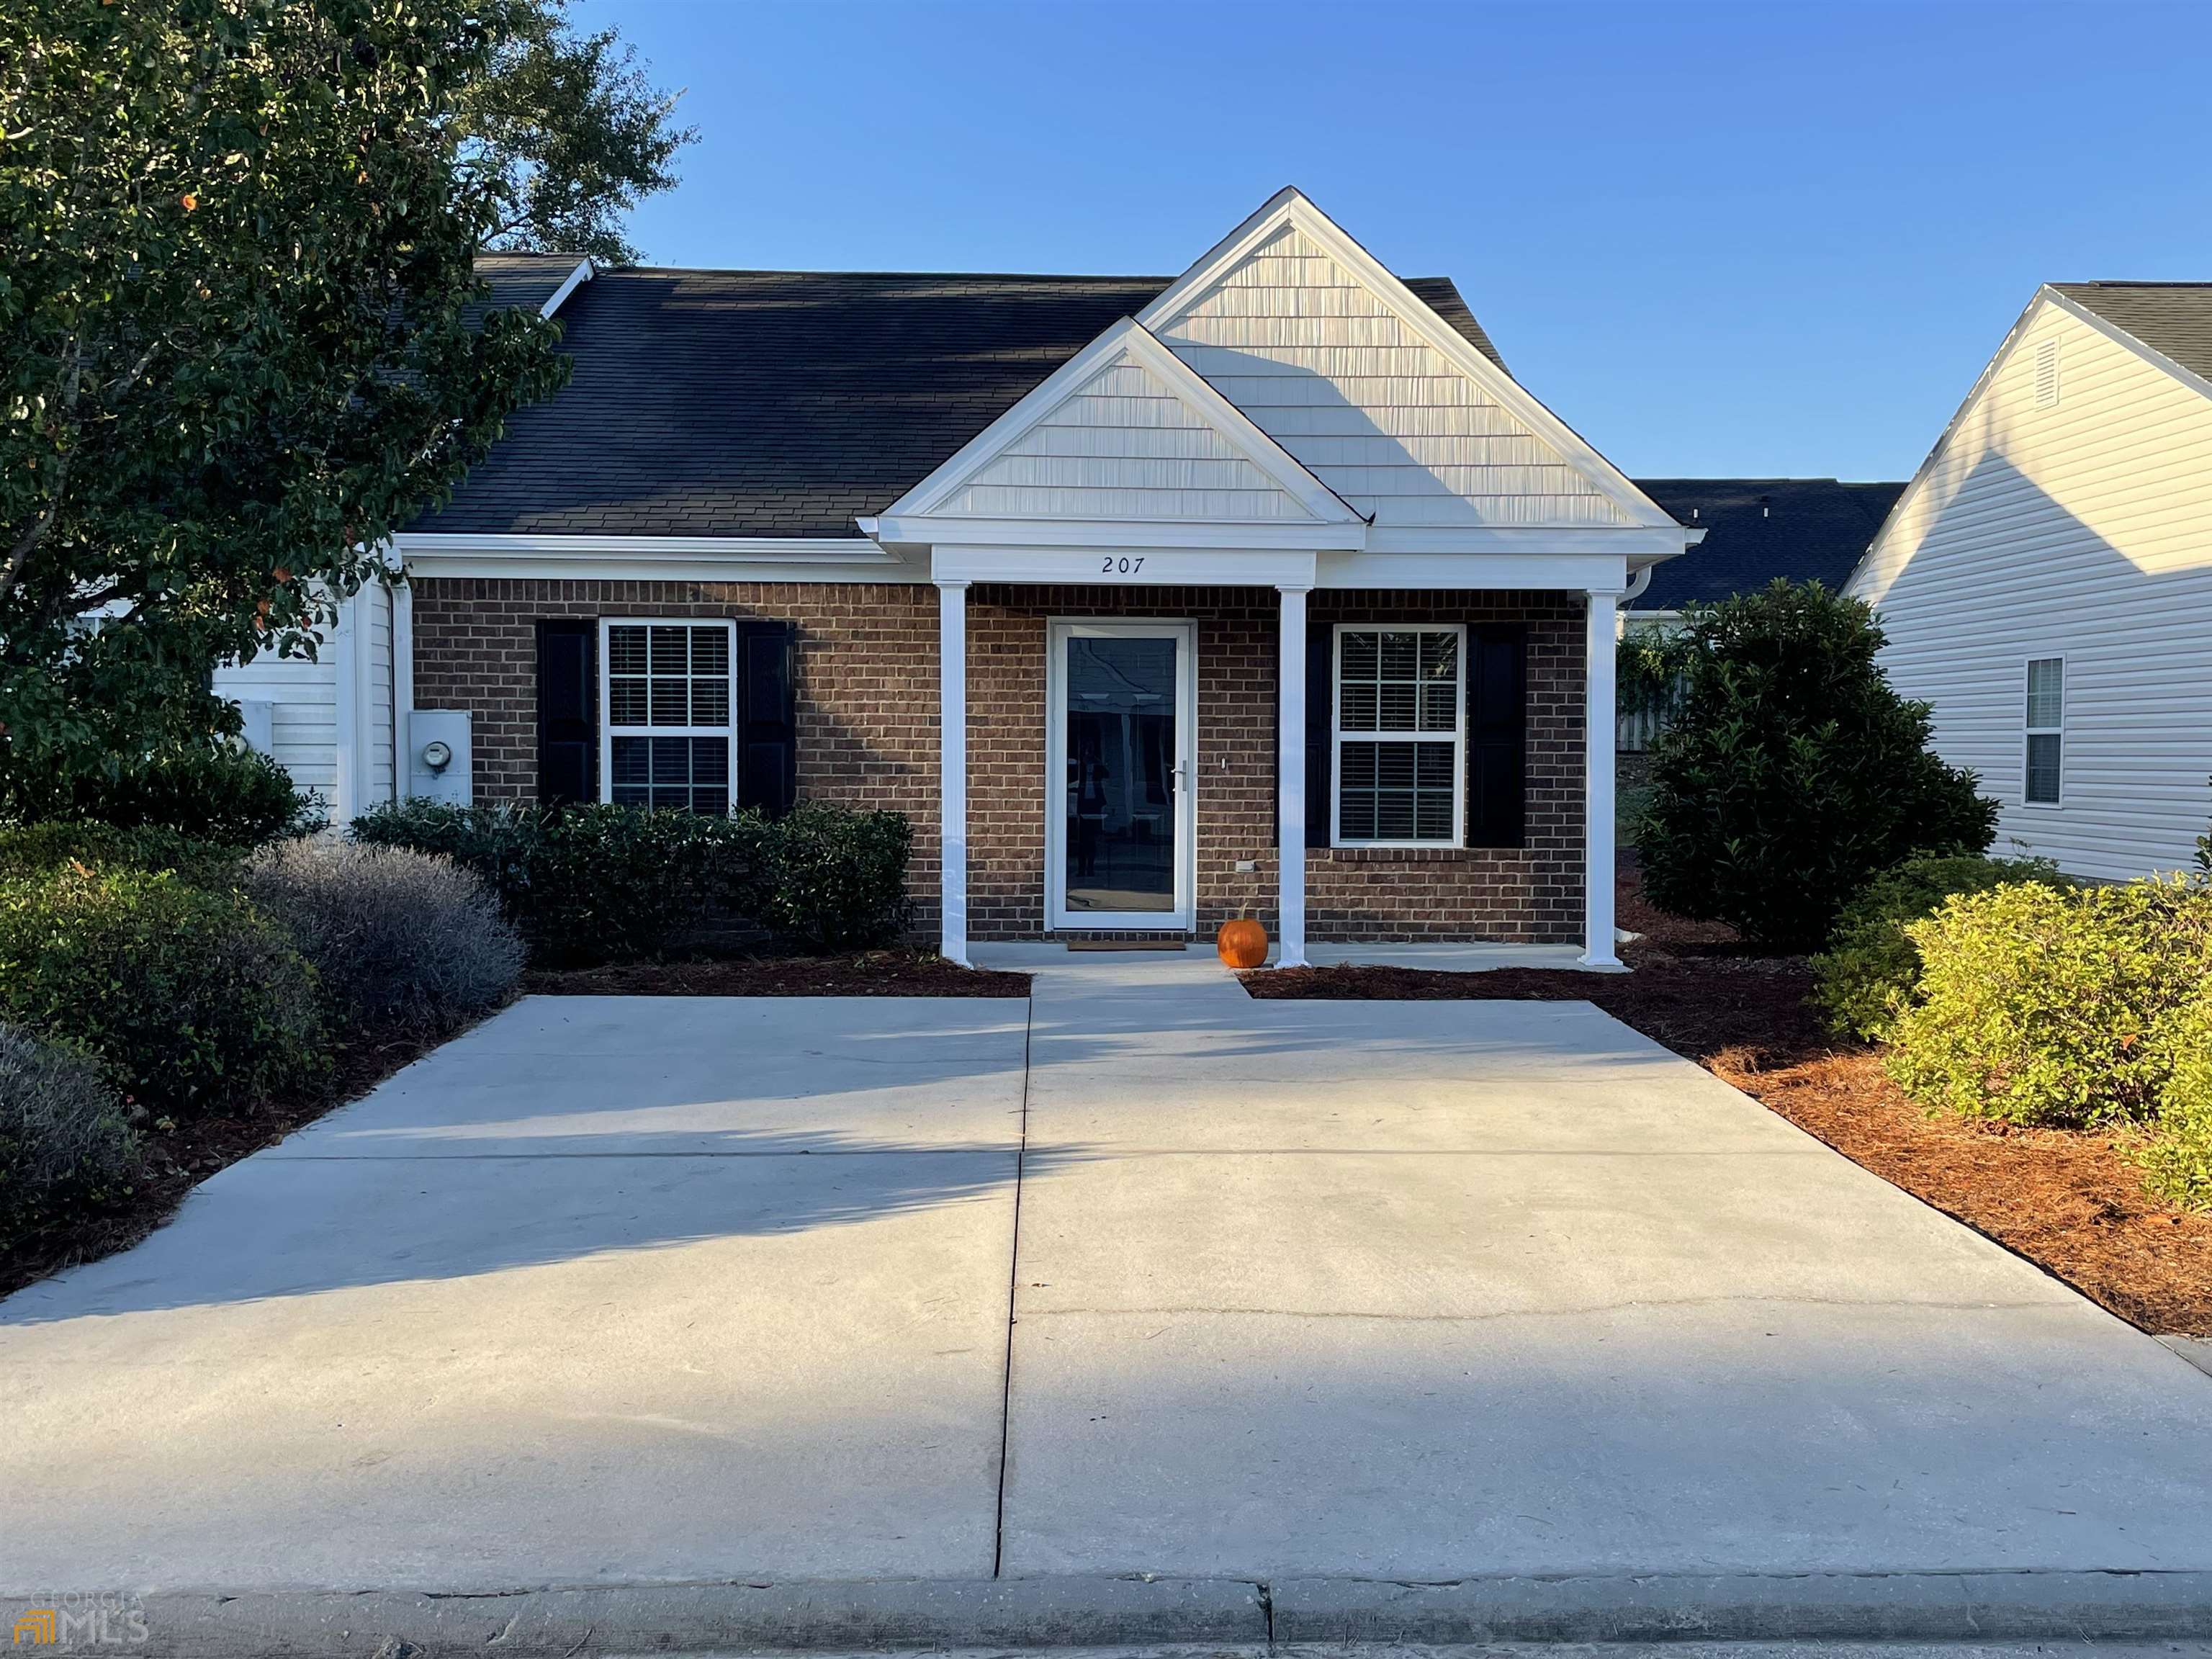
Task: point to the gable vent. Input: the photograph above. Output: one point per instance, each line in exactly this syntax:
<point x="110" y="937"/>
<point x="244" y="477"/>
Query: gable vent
<point x="2046" y="374"/>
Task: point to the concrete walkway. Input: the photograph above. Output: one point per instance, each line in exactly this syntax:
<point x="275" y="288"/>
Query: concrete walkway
<point x="635" y="1292"/>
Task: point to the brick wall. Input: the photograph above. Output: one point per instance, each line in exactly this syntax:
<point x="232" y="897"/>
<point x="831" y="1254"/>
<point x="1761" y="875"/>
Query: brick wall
<point x="1531" y="893"/>
<point x="867" y="687"/>
<point x="868" y="735"/>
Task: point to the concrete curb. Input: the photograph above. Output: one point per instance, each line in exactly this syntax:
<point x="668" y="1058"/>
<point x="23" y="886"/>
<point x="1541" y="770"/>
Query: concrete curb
<point x="1120" y="1612"/>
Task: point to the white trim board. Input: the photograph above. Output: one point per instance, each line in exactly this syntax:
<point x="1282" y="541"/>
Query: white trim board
<point x="655" y="558"/>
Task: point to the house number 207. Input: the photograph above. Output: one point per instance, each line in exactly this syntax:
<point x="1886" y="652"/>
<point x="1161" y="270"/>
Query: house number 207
<point x="1124" y="566"/>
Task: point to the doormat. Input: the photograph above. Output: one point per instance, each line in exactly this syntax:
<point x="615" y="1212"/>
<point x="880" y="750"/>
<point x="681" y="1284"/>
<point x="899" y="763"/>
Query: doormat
<point x="1126" y="945"/>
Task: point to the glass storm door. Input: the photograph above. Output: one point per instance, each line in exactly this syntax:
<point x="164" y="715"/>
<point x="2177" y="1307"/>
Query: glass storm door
<point x="1121" y="755"/>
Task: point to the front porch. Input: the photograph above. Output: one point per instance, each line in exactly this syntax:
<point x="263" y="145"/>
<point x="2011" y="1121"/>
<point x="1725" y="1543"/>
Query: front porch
<point x="1239" y="807"/>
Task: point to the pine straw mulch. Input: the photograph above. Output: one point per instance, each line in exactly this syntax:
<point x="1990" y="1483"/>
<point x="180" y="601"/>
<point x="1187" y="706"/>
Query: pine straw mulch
<point x="2068" y="1201"/>
<point x="179" y="1158"/>
<point x="867" y="973"/>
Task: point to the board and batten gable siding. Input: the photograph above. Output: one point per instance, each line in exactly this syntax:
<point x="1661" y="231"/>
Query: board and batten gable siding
<point x="2082" y="529"/>
<point x="1123" y="445"/>
<point x="1329" y="371"/>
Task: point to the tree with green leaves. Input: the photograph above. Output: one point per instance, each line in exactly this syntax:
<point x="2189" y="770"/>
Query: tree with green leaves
<point x="241" y="336"/>
<point x="1792" y="771"/>
<point x="567" y="135"/>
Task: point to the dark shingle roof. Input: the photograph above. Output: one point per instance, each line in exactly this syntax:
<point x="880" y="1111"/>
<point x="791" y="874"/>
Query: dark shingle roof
<point x="760" y="403"/>
<point x="2174" y="318"/>
<point x="1757" y="529"/>
<point x="525" y="280"/>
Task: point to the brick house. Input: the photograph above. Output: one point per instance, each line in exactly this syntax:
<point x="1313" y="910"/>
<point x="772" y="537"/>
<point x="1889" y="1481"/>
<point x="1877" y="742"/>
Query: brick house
<point x="1147" y="599"/>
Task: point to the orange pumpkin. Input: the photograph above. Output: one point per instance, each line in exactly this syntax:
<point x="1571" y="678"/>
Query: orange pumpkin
<point x="1241" y="943"/>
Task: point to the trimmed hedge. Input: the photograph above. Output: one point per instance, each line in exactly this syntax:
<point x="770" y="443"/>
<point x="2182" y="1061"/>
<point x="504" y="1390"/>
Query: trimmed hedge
<point x="66" y="1142"/>
<point x="1867" y="976"/>
<point x="583" y="884"/>
<point x="603" y="882"/>
<point x="2043" y="1006"/>
<point x="30" y="848"/>
<point x="215" y="792"/>
<point x="188" y="998"/>
<point x="832" y="880"/>
<point x="399" y="940"/>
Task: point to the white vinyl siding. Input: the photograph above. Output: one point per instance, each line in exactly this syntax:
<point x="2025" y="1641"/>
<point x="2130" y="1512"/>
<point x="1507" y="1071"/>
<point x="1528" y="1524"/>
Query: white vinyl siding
<point x="667" y="694"/>
<point x="1122" y="446"/>
<point x="373" y="613"/>
<point x="2079" y="527"/>
<point x="1397" y="736"/>
<point x="1323" y="365"/>
<point x="303" y="699"/>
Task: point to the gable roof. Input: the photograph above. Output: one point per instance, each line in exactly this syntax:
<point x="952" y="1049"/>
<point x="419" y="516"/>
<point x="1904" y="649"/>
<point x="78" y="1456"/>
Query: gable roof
<point x="1757" y="529"/>
<point x="1331" y="354"/>
<point x="1124" y="430"/>
<point x="759" y="403"/>
<point x="2173" y="318"/>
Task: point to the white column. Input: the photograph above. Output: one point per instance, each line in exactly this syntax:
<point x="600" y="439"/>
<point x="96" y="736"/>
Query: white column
<point x="952" y="763"/>
<point x="1600" y="722"/>
<point x="1291" y="785"/>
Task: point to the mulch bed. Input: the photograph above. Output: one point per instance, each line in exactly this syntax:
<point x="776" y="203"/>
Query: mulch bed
<point x="178" y="1160"/>
<point x="2068" y="1201"/>
<point x="871" y="974"/>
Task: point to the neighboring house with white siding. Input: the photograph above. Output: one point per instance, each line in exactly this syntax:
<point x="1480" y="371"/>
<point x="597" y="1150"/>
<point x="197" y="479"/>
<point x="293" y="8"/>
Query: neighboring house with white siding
<point x="2046" y="580"/>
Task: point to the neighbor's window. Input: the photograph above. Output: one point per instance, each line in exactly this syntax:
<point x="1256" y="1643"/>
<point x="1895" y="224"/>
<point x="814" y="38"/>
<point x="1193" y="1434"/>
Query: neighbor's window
<point x="1400" y="702"/>
<point x="668" y="701"/>
<point x="2046" y="717"/>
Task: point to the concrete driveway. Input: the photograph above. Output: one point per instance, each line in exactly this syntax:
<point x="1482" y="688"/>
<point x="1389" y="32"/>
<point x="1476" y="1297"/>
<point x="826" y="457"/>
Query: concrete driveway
<point x="634" y="1290"/>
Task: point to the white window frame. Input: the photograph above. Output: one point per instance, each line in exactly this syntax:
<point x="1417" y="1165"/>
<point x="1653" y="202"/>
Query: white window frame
<point x="2027" y="731"/>
<point x="1337" y="736"/>
<point x="609" y="732"/>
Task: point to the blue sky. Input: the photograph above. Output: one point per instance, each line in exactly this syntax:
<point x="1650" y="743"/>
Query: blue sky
<point x="1718" y="240"/>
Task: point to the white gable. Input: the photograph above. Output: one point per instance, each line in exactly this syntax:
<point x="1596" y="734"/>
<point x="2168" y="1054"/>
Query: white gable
<point x="1124" y="431"/>
<point x="1378" y="397"/>
<point x="1123" y="445"/>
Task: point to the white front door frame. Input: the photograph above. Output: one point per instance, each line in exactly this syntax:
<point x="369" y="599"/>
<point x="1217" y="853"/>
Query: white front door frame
<point x="1058" y="631"/>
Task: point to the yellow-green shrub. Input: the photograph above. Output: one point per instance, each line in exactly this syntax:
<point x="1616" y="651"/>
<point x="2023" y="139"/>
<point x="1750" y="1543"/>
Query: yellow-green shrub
<point x="2176" y="1160"/>
<point x="1868" y="975"/>
<point x="2041" y="1005"/>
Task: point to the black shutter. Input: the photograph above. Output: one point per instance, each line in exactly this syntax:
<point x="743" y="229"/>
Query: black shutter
<point x="768" y="750"/>
<point x="1321" y="702"/>
<point x="1497" y="734"/>
<point x="568" y="729"/>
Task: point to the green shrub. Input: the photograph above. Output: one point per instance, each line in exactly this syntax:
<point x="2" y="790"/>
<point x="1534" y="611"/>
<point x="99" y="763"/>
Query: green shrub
<point x="583" y="884"/>
<point x="210" y="792"/>
<point x="2176" y="1158"/>
<point x="2044" y="1005"/>
<point x="398" y="939"/>
<point x="834" y="880"/>
<point x="1791" y="772"/>
<point x="1871" y="968"/>
<point x="65" y="1141"/>
<point x="27" y="848"/>
<point x="190" y="998"/>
